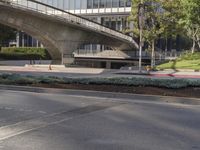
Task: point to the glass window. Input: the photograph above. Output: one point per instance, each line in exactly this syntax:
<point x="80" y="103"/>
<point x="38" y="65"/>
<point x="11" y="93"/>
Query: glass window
<point x="50" y="2"/>
<point x="95" y="3"/>
<point x="121" y="3"/>
<point x="108" y="4"/>
<point x="89" y="4"/>
<point x="94" y="46"/>
<point x="113" y="25"/>
<point x="77" y="4"/>
<point x="83" y="4"/>
<point x="107" y="24"/>
<point x="115" y="3"/>
<point x="55" y="3"/>
<point x="128" y="3"/>
<point x="102" y="3"/>
<point x="66" y="4"/>
<point x="60" y="4"/>
<point x="71" y="4"/>
<point x="44" y="1"/>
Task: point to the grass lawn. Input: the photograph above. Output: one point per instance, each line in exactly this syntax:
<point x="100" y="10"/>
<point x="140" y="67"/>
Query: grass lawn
<point x="186" y="61"/>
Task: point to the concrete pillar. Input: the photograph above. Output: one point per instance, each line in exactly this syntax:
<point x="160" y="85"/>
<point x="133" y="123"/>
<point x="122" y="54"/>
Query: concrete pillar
<point x="37" y="43"/>
<point x="67" y="60"/>
<point x="66" y="49"/>
<point x="23" y="42"/>
<point x="99" y="20"/>
<point x="108" y="65"/>
<point x="17" y="39"/>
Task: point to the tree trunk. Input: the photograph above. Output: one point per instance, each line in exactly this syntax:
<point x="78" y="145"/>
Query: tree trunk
<point x="165" y="47"/>
<point x="198" y="41"/>
<point x="193" y="46"/>
<point x="153" y="54"/>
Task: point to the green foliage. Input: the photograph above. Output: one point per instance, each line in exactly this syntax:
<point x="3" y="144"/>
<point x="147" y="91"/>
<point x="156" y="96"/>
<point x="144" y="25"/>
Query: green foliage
<point x="24" y="50"/>
<point x="131" y="81"/>
<point x="186" y="61"/>
<point x="25" y="53"/>
<point x="191" y="20"/>
<point x="160" y="21"/>
<point x="190" y="56"/>
<point x="161" y="18"/>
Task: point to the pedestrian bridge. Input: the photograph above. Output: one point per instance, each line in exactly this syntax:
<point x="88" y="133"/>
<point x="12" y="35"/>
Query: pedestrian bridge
<point x="60" y="32"/>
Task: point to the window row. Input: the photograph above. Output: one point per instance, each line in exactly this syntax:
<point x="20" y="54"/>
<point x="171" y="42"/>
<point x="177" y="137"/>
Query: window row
<point x="87" y="4"/>
<point x="108" y="3"/>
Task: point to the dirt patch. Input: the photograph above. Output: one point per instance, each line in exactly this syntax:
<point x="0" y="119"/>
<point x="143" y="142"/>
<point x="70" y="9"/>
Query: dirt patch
<point x="184" y="92"/>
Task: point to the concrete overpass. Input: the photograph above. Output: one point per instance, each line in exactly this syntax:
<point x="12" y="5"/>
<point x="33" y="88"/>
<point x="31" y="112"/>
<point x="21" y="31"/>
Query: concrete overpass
<point x="60" y="32"/>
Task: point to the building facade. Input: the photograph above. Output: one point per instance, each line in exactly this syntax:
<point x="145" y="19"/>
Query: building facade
<point x="25" y="40"/>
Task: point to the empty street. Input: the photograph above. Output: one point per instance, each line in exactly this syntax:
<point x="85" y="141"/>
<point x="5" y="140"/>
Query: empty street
<point x="50" y="121"/>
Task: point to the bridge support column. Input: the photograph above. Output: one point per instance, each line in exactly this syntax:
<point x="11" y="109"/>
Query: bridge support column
<point x="108" y="65"/>
<point x="67" y="59"/>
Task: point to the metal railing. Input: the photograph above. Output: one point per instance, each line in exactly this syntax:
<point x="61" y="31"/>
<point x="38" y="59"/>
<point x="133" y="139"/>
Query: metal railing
<point x="40" y="7"/>
<point x="128" y="54"/>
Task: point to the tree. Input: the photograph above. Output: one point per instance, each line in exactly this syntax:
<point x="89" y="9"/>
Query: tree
<point x="191" y="21"/>
<point x="153" y="26"/>
<point x="161" y="20"/>
<point x="6" y="34"/>
<point x="150" y="26"/>
<point x="172" y="15"/>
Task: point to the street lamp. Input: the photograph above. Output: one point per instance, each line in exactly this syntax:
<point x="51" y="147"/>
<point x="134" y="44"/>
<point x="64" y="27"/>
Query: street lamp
<point x="141" y="10"/>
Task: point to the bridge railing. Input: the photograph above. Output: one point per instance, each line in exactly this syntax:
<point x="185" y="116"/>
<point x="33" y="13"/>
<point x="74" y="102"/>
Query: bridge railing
<point x="38" y="6"/>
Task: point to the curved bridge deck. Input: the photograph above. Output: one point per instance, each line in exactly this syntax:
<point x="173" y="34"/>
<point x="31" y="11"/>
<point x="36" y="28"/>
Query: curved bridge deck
<point x="60" y="32"/>
<point x="69" y="18"/>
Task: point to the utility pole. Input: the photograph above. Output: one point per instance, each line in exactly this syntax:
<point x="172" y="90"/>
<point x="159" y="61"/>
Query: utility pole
<point x="140" y="24"/>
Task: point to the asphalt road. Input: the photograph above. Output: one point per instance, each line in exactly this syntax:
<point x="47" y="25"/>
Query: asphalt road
<point x="42" y="121"/>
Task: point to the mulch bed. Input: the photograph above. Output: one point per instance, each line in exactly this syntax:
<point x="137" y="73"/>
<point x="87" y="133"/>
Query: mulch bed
<point x="184" y="92"/>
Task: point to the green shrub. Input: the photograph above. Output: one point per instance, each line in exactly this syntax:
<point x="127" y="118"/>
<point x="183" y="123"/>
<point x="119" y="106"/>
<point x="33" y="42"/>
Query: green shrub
<point x="49" y="80"/>
<point x="24" y="53"/>
<point x="126" y="81"/>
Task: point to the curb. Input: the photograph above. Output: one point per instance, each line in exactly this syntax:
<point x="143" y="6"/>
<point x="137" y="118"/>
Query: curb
<point x="176" y="76"/>
<point x="112" y="95"/>
<point x="161" y="75"/>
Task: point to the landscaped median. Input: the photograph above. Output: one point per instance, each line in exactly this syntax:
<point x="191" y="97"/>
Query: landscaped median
<point x="137" y="85"/>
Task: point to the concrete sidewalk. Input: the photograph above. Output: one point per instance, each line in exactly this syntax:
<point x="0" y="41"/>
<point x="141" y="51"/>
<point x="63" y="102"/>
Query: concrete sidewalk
<point x="61" y="71"/>
<point x="54" y="68"/>
<point x="168" y="73"/>
<point x="182" y="74"/>
<point x="70" y="72"/>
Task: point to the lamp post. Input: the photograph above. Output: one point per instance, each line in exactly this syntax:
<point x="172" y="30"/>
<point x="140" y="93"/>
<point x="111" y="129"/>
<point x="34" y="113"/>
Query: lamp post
<point x="140" y="25"/>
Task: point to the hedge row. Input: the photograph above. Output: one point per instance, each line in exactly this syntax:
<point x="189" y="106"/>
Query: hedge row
<point x="133" y="81"/>
<point x="24" y="53"/>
